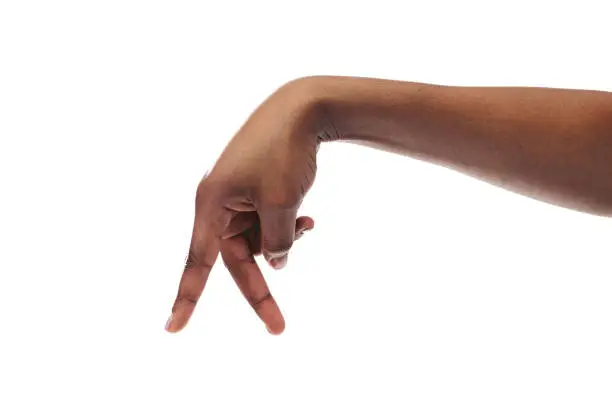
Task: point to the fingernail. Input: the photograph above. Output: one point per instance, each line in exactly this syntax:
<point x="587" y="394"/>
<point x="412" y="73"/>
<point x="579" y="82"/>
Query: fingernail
<point x="279" y="263"/>
<point x="169" y="322"/>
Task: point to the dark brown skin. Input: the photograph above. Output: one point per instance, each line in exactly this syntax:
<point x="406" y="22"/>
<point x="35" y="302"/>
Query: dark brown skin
<point x="551" y="144"/>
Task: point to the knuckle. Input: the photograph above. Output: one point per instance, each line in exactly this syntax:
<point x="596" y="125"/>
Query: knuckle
<point x="257" y="302"/>
<point x="194" y="260"/>
<point x="188" y="298"/>
<point x="190" y="260"/>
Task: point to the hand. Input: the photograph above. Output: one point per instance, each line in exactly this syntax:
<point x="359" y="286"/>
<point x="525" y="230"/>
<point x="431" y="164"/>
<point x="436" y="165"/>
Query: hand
<point x="249" y="202"/>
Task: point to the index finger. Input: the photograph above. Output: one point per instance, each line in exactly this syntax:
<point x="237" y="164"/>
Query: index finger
<point x="202" y="256"/>
<point x="203" y="252"/>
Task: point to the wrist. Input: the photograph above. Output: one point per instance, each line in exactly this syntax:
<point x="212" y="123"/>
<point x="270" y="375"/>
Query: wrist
<point x="312" y="95"/>
<point x="384" y="113"/>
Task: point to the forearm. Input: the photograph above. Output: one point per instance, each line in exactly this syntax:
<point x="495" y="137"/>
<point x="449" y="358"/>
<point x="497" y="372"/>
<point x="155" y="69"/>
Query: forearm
<point x="551" y="144"/>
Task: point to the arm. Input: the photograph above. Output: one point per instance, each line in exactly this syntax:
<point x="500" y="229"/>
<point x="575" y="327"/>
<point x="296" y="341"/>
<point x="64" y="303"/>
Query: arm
<point x="551" y="144"/>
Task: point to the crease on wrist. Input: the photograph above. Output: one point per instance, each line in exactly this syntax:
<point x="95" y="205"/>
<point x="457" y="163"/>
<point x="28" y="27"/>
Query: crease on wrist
<point x="329" y="131"/>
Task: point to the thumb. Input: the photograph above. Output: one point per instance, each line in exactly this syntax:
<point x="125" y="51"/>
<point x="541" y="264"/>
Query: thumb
<point x="277" y="234"/>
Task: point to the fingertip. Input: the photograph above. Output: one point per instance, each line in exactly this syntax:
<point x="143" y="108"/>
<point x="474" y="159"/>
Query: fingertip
<point x="169" y="323"/>
<point x="276" y="326"/>
<point x="180" y="316"/>
<point x="304" y="223"/>
<point x="271" y="316"/>
<point x="174" y="325"/>
<point x="278" y="263"/>
<point x="276" y="332"/>
<point x="309" y="224"/>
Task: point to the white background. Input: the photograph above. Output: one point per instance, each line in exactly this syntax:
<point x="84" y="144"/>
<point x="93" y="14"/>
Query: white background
<point x="418" y="287"/>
